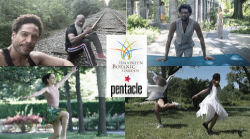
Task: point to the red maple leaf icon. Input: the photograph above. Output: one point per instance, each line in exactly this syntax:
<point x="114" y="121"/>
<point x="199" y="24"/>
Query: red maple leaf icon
<point x="127" y="79"/>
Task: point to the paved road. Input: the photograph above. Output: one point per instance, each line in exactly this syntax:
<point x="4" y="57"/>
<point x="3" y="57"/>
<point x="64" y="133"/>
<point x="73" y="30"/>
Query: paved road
<point x="231" y="43"/>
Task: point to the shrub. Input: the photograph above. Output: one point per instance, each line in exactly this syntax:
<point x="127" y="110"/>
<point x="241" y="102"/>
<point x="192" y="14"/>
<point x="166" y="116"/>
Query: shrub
<point x="134" y="21"/>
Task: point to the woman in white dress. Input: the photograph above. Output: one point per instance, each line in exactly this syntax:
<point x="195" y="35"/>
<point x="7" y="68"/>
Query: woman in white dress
<point x="211" y="105"/>
<point x="157" y="94"/>
<point x="220" y="23"/>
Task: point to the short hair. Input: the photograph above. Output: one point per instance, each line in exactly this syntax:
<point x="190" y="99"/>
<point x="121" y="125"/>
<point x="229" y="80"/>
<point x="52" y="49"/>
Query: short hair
<point x="185" y="6"/>
<point x="45" y="77"/>
<point x="160" y="81"/>
<point x="27" y="18"/>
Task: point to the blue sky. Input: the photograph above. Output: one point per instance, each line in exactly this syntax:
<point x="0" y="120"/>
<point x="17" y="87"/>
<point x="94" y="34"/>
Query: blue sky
<point x="205" y="72"/>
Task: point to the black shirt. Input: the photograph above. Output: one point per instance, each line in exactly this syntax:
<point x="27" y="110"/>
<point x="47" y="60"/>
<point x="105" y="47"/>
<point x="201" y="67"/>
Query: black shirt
<point x="9" y="60"/>
<point x="70" y="29"/>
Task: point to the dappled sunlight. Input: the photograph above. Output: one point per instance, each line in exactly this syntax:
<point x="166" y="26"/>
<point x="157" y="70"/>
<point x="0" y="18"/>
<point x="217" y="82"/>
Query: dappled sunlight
<point x="236" y="57"/>
<point x="240" y="47"/>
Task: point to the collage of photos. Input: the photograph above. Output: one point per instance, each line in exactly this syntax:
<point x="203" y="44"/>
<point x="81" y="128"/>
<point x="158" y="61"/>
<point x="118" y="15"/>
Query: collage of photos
<point x="73" y="69"/>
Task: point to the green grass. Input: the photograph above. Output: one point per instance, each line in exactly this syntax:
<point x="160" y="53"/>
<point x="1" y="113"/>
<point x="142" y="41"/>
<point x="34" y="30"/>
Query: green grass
<point x="242" y="30"/>
<point x="179" y="123"/>
<point x="151" y="32"/>
<point x="123" y="12"/>
<point x="70" y="135"/>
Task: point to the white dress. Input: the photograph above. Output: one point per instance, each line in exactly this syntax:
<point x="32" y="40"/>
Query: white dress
<point x="157" y="91"/>
<point x="211" y="104"/>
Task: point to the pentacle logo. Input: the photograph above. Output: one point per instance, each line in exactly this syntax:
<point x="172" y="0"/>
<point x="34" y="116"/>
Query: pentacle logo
<point x="126" y="51"/>
<point x="127" y="79"/>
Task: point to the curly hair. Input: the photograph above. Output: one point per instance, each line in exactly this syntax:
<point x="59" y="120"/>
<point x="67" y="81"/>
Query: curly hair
<point x="45" y="77"/>
<point x="185" y="6"/>
<point x="27" y="18"/>
<point x="160" y="81"/>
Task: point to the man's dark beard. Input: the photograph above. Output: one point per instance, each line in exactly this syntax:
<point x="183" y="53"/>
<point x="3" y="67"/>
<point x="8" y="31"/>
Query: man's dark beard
<point x="186" y="19"/>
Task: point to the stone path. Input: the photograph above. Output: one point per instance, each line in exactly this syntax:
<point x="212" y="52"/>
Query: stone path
<point x="231" y="43"/>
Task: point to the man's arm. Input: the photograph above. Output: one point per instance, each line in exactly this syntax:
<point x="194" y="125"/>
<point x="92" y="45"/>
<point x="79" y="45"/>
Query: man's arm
<point x="2" y="59"/>
<point x="202" y="42"/>
<point x="75" y="39"/>
<point x="46" y="60"/>
<point x="170" y="37"/>
<point x="65" y="78"/>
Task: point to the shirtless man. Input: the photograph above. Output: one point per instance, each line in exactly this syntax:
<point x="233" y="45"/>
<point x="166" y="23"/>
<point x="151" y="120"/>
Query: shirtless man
<point x="54" y="114"/>
<point x="184" y="28"/>
<point x="26" y="30"/>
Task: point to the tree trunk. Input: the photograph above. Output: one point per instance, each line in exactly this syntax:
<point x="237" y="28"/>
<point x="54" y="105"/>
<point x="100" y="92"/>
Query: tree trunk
<point x="69" y="109"/>
<point x="79" y="104"/>
<point x="102" y="128"/>
<point x="163" y="71"/>
<point x="247" y="73"/>
<point x="150" y="80"/>
<point x="238" y="14"/>
<point x="171" y="71"/>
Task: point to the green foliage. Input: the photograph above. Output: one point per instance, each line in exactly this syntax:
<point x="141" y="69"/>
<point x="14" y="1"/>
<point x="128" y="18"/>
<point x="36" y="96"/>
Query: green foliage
<point x="151" y="32"/>
<point x="70" y="135"/>
<point x="10" y="109"/>
<point x="243" y="30"/>
<point x="85" y="7"/>
<point x="134" y="21"/>
<point x="139" y="26"/>
<point x="117" y="4"/>
<point x="179" y="123"/>
<point x="207" y="26"/>
<point x="5" y="40"/>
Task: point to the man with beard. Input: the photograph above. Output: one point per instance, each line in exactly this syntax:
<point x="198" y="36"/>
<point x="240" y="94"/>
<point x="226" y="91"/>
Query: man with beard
<point x="184" y="28"/>
<point x="26" y="30"/>
<point x="78" y="39"/>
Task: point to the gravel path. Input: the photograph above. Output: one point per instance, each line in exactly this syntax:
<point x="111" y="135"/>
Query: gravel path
<point x="56" y="40"/>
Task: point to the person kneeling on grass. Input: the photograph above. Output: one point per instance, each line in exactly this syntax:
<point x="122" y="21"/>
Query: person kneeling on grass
<point x="54" y="115"/>
<point x="157" y="94"/>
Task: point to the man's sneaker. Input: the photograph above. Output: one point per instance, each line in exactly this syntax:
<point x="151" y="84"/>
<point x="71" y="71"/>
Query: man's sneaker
<point x="176" y="104"/>
<point x="101" y="56"/>
<point x="159" y="126"/>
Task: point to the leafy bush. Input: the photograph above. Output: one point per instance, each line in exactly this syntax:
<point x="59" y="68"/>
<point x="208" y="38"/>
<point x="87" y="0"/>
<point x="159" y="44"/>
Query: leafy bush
<point x="134" y="21"/>
<point x="243" y="30"/>
<point x="5" y="34"/>
<point x="9" y="110"/>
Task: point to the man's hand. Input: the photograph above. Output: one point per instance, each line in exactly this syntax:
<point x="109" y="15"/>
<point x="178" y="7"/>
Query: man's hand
<point x="172" y="75"/>
<point x="161" y="59"/>
<point x="209" y="58"/>
<point x="88" y="30"/>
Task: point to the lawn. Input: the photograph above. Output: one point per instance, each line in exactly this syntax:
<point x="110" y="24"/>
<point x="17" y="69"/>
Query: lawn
<point x="70" y="135"/>
<point x="183" y="123"/>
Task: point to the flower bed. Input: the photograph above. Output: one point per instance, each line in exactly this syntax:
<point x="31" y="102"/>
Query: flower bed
<point x="25" y="123"/>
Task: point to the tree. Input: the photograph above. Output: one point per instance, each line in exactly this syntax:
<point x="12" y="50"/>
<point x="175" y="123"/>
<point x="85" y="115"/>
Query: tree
<point x="241" y="76"/>
<point x="69" y="109"/>
<point x="79" y="104"/>
<point x="102" y="129"/>
<point x="238" y="14"/>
